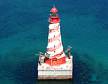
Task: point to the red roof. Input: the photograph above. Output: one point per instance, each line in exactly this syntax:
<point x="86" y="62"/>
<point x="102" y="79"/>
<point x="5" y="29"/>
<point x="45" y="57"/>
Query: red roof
<point x="54" y="10"/>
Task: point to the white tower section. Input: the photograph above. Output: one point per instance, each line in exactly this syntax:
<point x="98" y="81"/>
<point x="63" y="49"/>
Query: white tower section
<point x="55" y="48"/>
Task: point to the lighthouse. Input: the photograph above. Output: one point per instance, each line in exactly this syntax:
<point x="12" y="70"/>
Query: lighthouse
<point x="54" y="63"/>
<point x="55" y="47"/>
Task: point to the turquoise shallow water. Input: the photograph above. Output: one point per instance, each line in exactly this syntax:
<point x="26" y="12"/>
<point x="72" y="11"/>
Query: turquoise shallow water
<point x="24" y="29"/>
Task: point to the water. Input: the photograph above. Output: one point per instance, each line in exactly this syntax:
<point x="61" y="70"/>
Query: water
<point x="24" y="29"/>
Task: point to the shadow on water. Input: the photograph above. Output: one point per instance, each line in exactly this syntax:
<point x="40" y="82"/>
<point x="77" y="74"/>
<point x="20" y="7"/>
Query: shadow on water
<point x="26" y="73"/>
<point x="87" y="71"/>
<point x="82" y="70"/>
<point x="18" y="68"/>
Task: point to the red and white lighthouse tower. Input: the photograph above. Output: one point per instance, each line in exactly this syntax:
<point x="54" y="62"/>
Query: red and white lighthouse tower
<point x="54" y="64"/>
<point x="55" y="47"/>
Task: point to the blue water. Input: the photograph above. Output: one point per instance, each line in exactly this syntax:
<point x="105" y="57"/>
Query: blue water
<point x="24" y="29"/>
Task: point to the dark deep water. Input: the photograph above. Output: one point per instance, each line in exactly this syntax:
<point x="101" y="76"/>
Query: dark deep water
<point x="24" y="29"/>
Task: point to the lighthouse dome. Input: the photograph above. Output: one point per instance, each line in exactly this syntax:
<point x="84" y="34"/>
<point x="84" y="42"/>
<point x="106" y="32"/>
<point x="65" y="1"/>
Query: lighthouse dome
<point x="54" y="10"/>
